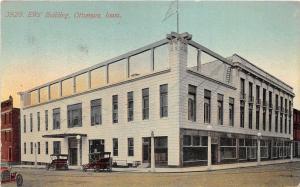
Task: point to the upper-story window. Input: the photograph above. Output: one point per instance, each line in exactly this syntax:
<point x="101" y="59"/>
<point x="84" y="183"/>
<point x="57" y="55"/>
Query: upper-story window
<point x="242" y="87"/>
<point x="56" y="118"/>
<point x="96" y="112"/>
<point x="164" y="100"/>
<point x="270" y="100"/>
<point x="192" y="103"/>
<point x="38" y="121"/>
<point x="220" y="109"/>
<point x="207" y="106"/>
<point x="24" y="123"/>
<point x="276" y="101"/>
<point x="75" y="115"/>
<point x="46" y="120"/>
<point x="145" y="103"/>
<point x="242" y="116"/>
<point x="264" y="97"/>
<point x="231" y="111"/>
<point x="130" y="106"/>
<point x="31" y="123"/>
<point x="257" y="94"/>
<point x="257" y="118"/>
<point x="281" y="103"/>
<point x="115" y="108"/>
<point x="250" y="91"/>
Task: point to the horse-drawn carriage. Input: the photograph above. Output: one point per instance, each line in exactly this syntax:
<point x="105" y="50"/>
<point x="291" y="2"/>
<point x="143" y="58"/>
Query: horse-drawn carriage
<point x="58" y="162"/>
<point x="99" y="161"/>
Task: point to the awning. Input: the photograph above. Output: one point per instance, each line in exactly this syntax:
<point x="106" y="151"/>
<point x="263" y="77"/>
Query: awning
<point x="63" y="135"/>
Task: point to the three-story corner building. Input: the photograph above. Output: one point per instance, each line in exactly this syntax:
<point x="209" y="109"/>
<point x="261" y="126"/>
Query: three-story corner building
<point x="201" y="108"/>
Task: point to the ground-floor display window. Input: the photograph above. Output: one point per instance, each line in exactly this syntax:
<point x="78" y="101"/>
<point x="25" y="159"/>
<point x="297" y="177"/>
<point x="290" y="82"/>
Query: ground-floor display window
<point x="228" y="148"/>
<point x="95" y="146"/>
<point x="247" y="149"/>
<point x="264" y="150"/>
<point x="194" y="148"/>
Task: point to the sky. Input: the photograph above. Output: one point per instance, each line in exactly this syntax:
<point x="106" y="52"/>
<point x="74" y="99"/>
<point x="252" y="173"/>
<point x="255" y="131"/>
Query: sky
<point x="36" y="50"/>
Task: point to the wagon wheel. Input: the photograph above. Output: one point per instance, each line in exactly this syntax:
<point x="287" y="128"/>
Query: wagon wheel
<point x="19" y="180"/>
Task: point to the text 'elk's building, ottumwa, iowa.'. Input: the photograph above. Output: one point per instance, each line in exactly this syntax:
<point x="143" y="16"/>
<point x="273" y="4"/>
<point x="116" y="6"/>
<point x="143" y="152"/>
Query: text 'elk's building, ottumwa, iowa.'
<point x="202" y="108"/>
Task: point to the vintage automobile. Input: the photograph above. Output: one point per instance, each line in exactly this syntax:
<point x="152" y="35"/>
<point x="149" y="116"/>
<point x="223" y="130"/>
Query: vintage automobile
<point x="58" y="162"/>
<point x="99" y="161"/>
<point x="7" y="176"/>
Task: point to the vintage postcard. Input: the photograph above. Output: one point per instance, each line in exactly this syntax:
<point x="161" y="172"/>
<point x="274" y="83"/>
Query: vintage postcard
<point x="150" y="93"/>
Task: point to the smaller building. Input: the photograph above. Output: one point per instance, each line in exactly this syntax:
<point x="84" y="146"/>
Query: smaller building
<point x="10" y="132"/>
<point x="296" y="133"/>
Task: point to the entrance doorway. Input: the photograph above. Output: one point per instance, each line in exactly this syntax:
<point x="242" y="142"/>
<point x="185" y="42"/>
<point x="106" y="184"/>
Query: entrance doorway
<point x="73" y="151"/>
<point x="214" y="153"/>
<point x="146" y="150"/>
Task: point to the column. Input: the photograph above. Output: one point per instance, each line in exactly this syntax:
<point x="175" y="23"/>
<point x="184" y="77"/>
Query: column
<point x="258" y="150"/>
<point x="291" y="150"/>
<point x="152" y="153"/>
<point x="78" y="149"/>
<point x="209" y="151"/>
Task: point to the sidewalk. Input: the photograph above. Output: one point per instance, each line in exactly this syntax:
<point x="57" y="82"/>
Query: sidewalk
<point x="178" y="170"/>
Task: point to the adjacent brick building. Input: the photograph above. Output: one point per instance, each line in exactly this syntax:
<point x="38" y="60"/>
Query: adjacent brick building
<point x="296" y="133"/>
<point x="10" y="132"/>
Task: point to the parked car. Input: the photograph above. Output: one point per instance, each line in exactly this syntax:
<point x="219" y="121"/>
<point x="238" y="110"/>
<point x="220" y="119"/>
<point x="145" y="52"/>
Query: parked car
<point x="59" y="162"/>
<point x="99" y="161"/>
<point x="7" y="176"/>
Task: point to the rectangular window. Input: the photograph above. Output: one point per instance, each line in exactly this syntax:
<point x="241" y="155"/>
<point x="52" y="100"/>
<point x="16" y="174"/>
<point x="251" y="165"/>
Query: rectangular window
<point x="264" y="97"/>
<point x="270" y="100"/>
<point x="74" y="115"/>
<point x="96" y="112"/>
<point x="242" y="86"/>
<point x="290" y="125"/>
<point x="163" y="100"/>
<point x="145" y="98"/>
<point x="257" y="93"/>
<point x="276" y="122"/>
<point x="46" y="148"/>
<point x="24" y="148"/>
<point x="250" y="118"/>
<point x="281" y="122"/>
<point x="250" y="91"/>
<point x="115" y="108"/>
<point x="192" y="103"/>
<point x="270" y="120"/>
<point x="24" y="123"/>
<point x="117" y="71"/>
<point x="257" y="118"/>
<point x="55" y="91"/>
<point x="285" y="124"/>
<point x="46" y="120"/>
<point x="56" y="147"/>
<point x="38" y="121"/>
<point x="31" y="148"/>
<point x="276" y="101"/>
<point x="231" y="111"/>
<point x="130" y="105"/>
<point x="242" y="117"/>
<point x="67" y="87"/>
<point x="98" y="77"/>
<point x="115" y="147"/>
<point x="39" y="147"/>
<point x="130" y="147"/>
<point x="31" y="123"/>
<point x="56" y="118"/>
<point x="264" y="119"/>
<point x="207" y="108"/>
<point x="220" y="109"/>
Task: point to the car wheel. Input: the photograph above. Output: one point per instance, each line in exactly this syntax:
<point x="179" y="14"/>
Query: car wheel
<point x="19" y="180"/>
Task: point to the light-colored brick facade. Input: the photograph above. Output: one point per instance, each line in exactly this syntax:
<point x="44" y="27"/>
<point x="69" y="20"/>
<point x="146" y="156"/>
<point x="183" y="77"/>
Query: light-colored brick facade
<point x="176" y="126"/>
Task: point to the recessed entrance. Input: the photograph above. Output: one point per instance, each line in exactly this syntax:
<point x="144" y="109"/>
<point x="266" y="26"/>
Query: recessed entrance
<point x="73" y="151"/>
